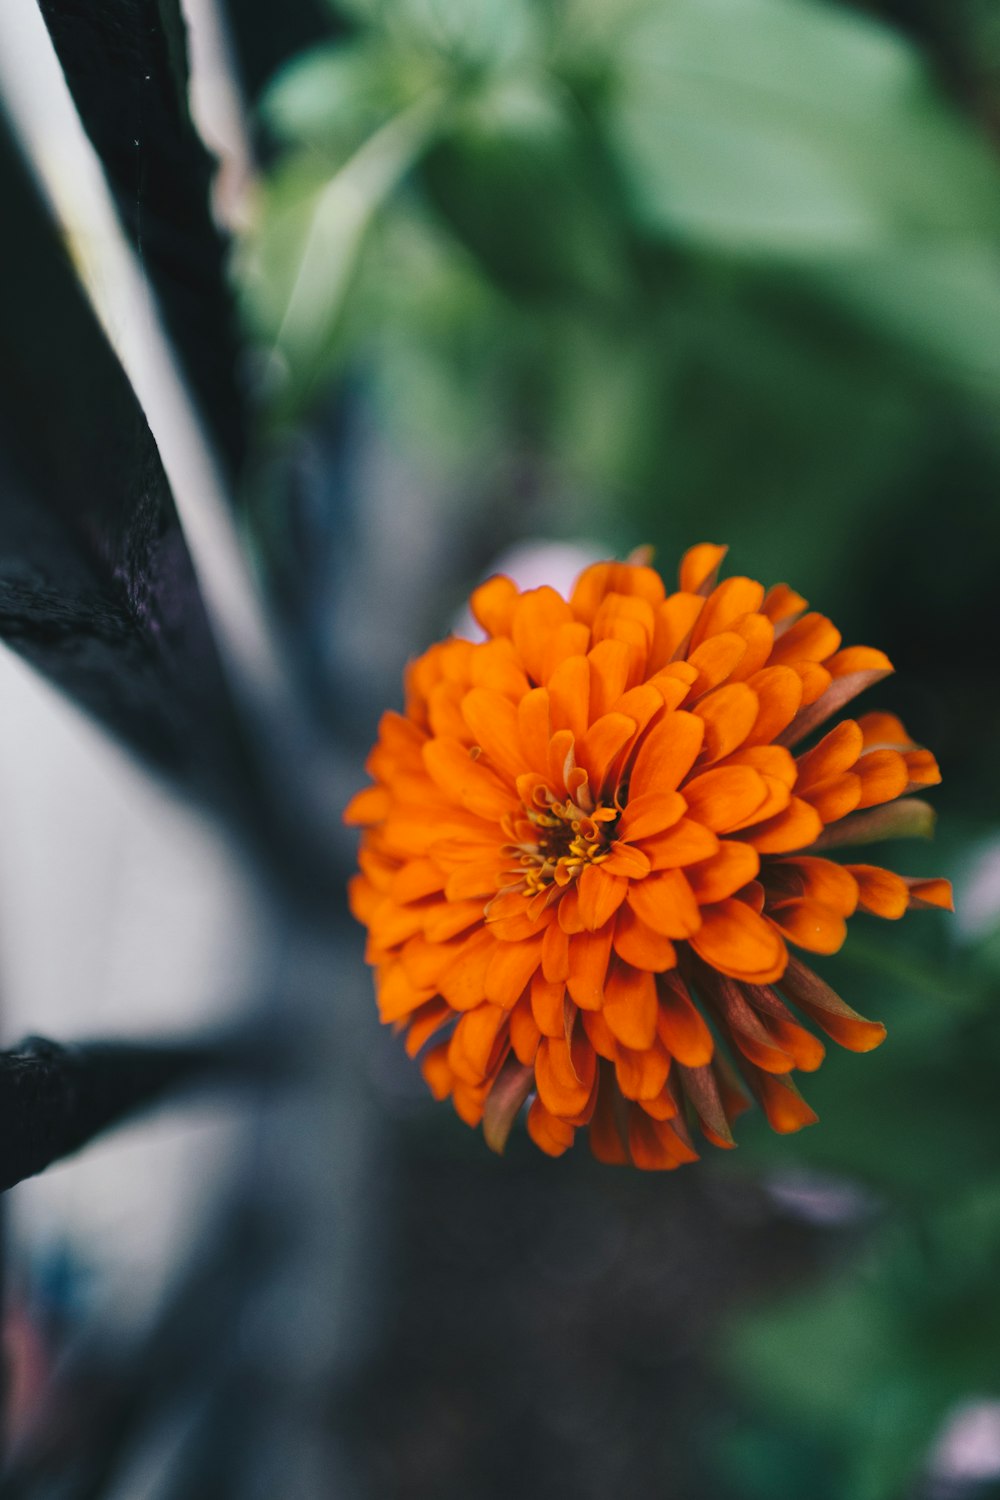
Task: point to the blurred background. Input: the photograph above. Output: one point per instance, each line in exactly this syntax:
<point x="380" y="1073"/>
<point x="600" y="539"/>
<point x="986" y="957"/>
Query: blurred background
<point x="406" y="290"/>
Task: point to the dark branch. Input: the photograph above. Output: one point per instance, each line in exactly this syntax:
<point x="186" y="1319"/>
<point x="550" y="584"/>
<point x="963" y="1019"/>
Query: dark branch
<point x="56" y="1098"/>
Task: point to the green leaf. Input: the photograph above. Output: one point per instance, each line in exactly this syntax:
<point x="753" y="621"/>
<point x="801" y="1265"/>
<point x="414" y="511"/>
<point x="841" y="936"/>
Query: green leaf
<point x="299" y="268"/>
<point x="791" y="127"/>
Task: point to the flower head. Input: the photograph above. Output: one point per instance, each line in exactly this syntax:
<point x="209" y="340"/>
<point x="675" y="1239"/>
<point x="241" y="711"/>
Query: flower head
<point x="594" y="835"/>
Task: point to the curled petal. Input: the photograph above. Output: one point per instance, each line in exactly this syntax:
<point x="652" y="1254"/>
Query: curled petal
<point x="931" y="895"/>
<point x="908" y="819"/>
<point x="881" y="892"/>
<point x="700" y="567"/>
<point x="503" y="1103"/>
<point x="811" y="994"/>
<point x="549" y="1133"/>
<point x="680" y="1025"/>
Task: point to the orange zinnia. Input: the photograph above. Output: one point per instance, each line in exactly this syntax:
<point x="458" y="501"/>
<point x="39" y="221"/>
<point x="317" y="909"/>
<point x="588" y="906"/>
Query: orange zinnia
<point x="590" y="843"/>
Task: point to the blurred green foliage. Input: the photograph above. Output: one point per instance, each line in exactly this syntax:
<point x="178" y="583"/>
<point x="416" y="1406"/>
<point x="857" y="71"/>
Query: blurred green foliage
<point x="722" y="268"/>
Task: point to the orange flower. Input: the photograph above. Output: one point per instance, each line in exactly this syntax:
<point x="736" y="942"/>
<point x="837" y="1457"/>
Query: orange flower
<point x="589" y="844"/>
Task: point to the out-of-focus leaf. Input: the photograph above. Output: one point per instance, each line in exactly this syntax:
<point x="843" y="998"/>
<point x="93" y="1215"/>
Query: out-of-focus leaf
<point x="96" y="585"/>
<point x="299" y="268"/>
<point x="871" y="1364"/>
<point x="126" y="64"/>
<point x="517" y="177"/>
<point x="334" y="96"/>
<point x="791" y="127"/>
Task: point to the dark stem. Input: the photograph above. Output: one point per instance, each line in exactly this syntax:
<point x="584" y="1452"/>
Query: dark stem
<point x="54" y="1098"/>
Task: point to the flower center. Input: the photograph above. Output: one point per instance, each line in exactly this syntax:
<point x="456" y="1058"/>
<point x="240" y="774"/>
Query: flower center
<point x="557" y="840"/>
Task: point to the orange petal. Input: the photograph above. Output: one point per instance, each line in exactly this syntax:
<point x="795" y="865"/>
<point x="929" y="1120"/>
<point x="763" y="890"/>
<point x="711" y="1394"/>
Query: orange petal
<point x="813" y="638"/>
<point x="663" y="1106"/>
<point x="880" y="891"/>
<point x="784" y="1106"/>
<point x="609" y="669"/>
<point x="779" y="697"/>
<point x="855" y="659"/>
<point x="437" y="1073"/>
<point x="568" y="911"/>
<point x="810" y="924"/>
<point x="841" y="690"/>
<point x="922" y="768"/>
<point x="603" y="578"/>
<point x="835" y="797"/>
<point x="806" y="990"/>
<point x="684" y="844"/>
<point x="492" y="604"/>
<point x="699" y="567"/>
<point x="666" y="903"/>
<point x="884" y="777"/>
<point x="729" y="869"/>
<point x="642" y="703"/>
<point x="473" y="1040"/>
<point x="729" y="714"/>
<point x="928" y="895"/>
<point x="548" y="1005"/>
<point x="597" y="750"/>
<point x="472" y="880"/>
<point x="569" y="639"/>
<point x="510" y="968"/>
<point x="494" y="664"/>
<point x="366" y="807"/>
<point x="565" y="1083"/>
<point x="715" y="659"/>
<point x="630" y="1005"/>
<point x="680" y="1026"/>
<point x="492" y="722"/>
<point x="638" y="944"/>
<point x="655" y="1145"/>
<point x="599" y="1034"/>
<point x="884" y="731"/>
<point x="726" y="604"/>
<point x="397" y="995"/>
<point x="672" y="626"/>
<point x="525" y="1035"/>
<point x="462" y="978"/>
<point x="627" y="860"/>
<point x="806" y="1050"/>
<point x="555" y="953"/>
<point x="798" y="827"/>
<point x="651" y="813"/>
<point x="536" y="614"/>
<point x="736" y="941"/>
<point x="745" y="1027"/>
<point x="569" y="695"/>
<point x="424" y="1023"/>
<point x="641" y="1075"/>
<point x="600" y="896"/>
<point x="609" y="1122"/>
<point x="451" y="767"/>
<point x="725" y="796"/>
<point x="666" y="754"/>
<point x="535" y="729"/>
<point x="589" y="954"/>
<point x="820" y="879"/>
<point x="836" y="752"/>
<point x="549" y="1133"/>
<point x="782" y="603"/>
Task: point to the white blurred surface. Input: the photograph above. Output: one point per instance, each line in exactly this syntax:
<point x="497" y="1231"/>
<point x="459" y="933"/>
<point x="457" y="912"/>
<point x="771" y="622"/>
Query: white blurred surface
<point x="122" y="913"/>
